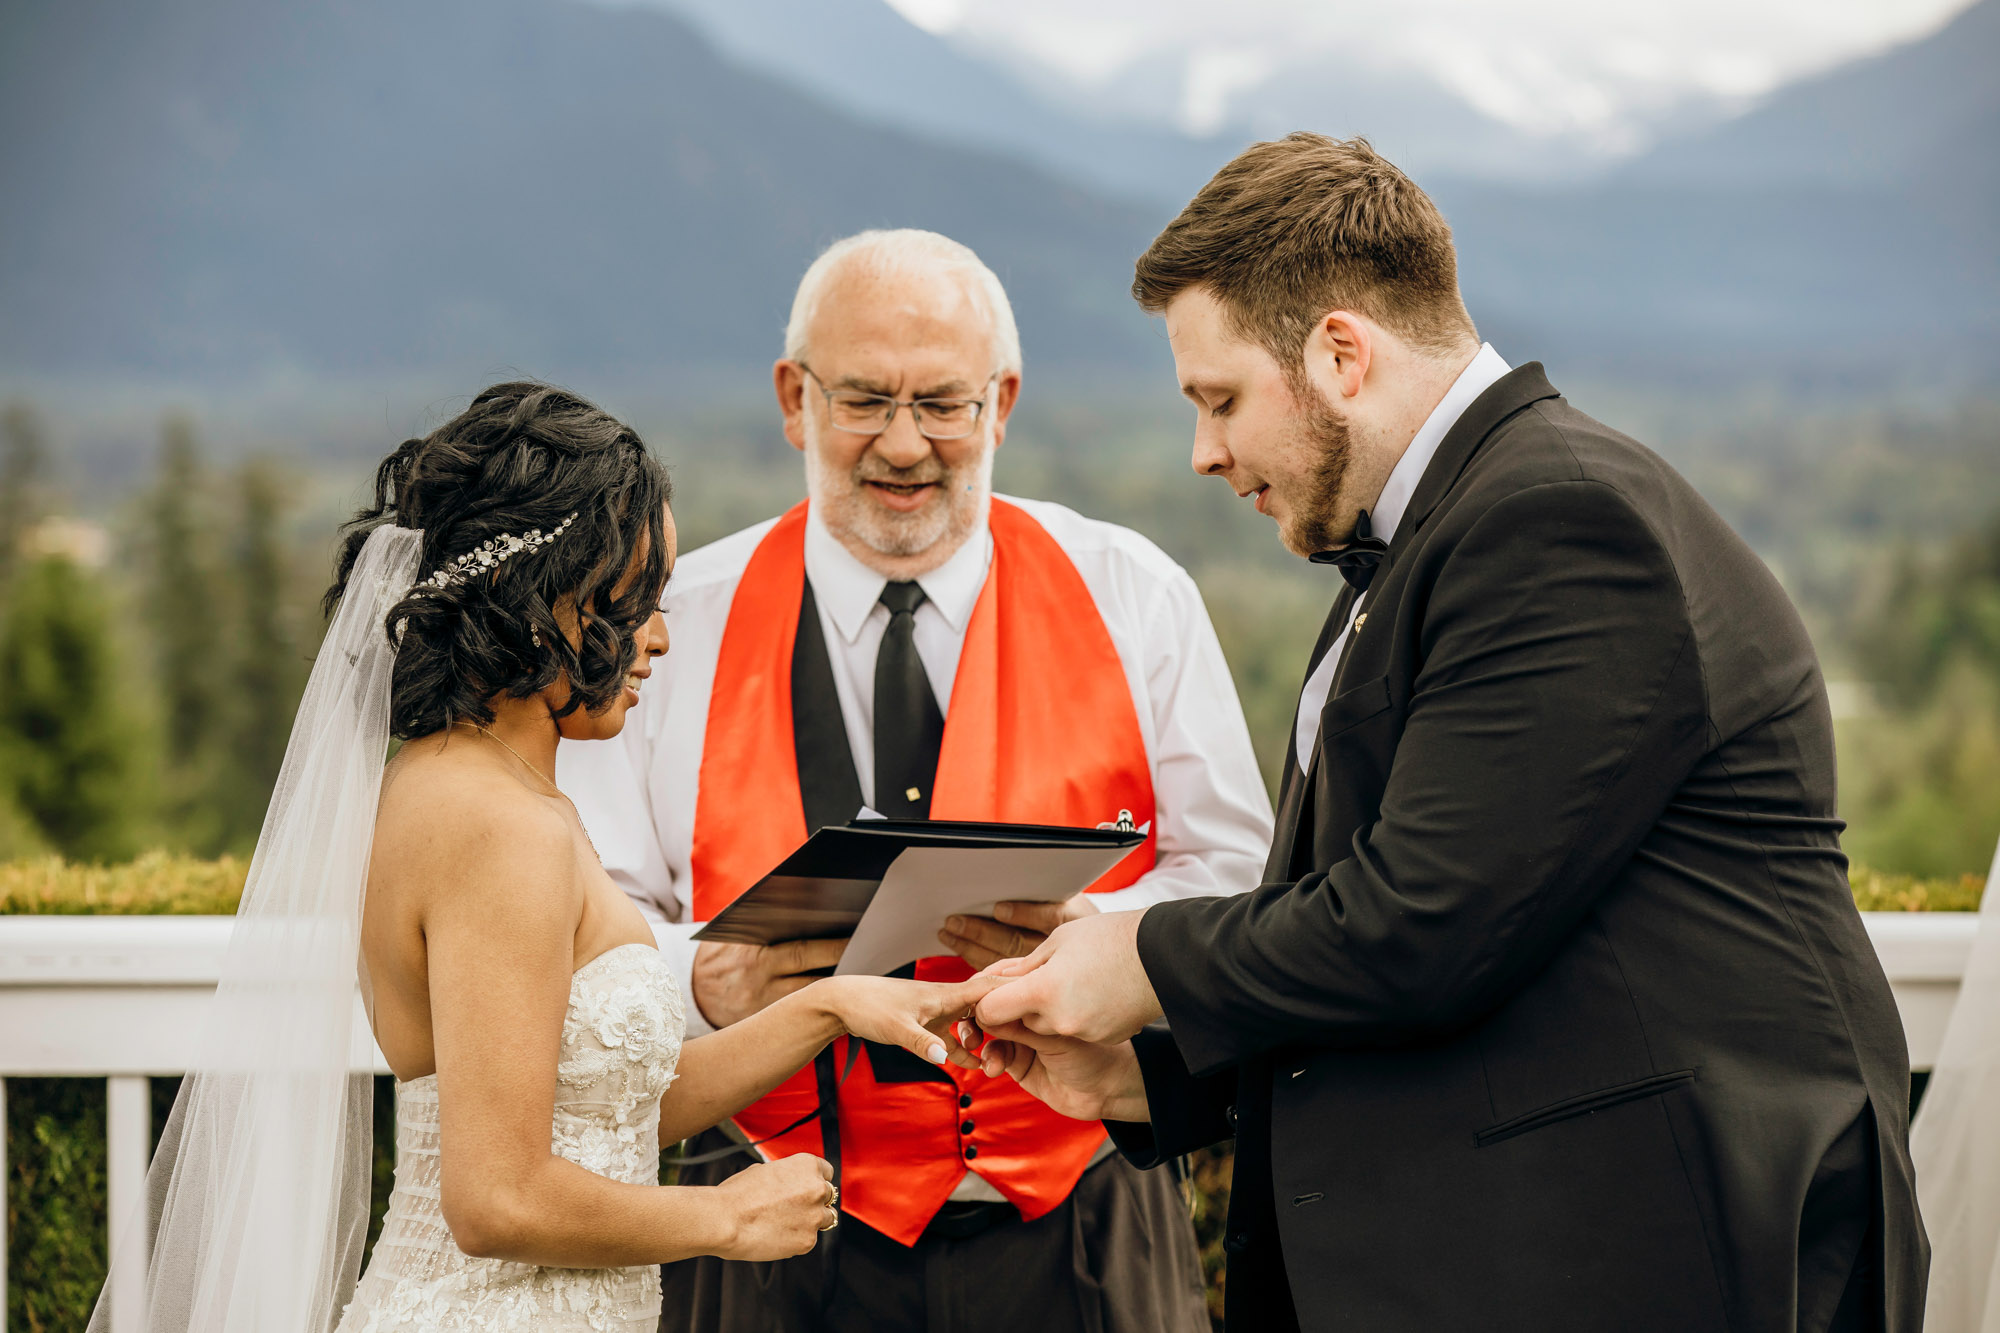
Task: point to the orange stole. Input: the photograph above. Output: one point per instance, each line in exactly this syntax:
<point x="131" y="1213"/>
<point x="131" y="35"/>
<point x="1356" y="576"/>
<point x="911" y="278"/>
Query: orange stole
<point x="1041" y="730"/>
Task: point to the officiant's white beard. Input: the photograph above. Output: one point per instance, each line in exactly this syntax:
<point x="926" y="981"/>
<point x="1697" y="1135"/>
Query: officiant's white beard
<point x="928" y="535"/>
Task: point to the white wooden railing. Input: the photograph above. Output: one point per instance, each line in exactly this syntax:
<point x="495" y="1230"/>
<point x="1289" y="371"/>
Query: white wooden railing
<point x="121" y="998"/>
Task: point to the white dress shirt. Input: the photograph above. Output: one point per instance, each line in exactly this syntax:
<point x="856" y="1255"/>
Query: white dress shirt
<point x="853" y="620"/>
<point x="1386" y="513"/>
<point x="636" y="792"/>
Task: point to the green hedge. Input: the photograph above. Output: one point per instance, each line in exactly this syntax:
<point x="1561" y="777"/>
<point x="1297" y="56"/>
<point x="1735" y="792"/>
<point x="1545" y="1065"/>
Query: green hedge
<point x="166" y="883"/>
<point x="55" y="1127"/>
<point x="157" y="884"/>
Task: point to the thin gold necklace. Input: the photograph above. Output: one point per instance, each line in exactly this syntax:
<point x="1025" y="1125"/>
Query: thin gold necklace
<point x="553" y="789"/>
<point x="484" y="731"/>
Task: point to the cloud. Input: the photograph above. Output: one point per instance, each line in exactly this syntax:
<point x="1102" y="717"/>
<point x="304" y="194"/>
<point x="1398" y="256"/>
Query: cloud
<point x="1561" y="69"/>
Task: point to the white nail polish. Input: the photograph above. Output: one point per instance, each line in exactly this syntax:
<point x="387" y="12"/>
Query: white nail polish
<point x="936" y="1053"/>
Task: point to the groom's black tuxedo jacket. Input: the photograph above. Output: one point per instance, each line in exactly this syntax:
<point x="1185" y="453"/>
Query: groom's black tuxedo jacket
<point x="1556" y="1012"/>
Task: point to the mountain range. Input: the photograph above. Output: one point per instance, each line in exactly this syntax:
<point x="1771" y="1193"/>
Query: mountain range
<point x="1121" y="131"/>
<point x="221" y="191"/>
<point x="217" y="188"/>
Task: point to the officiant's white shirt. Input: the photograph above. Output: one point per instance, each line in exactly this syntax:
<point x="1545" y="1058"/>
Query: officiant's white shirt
<point x="636" y="792"/>
<point x="1383" y="517"/>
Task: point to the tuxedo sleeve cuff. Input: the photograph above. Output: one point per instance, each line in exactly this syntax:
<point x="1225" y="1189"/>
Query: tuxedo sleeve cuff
<point x="1174" y="939"/>
<point x="1187" y="1112"/>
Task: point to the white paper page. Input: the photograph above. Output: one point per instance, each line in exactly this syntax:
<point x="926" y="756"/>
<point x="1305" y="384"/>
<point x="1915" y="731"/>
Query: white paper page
<point x="927" y="884"/>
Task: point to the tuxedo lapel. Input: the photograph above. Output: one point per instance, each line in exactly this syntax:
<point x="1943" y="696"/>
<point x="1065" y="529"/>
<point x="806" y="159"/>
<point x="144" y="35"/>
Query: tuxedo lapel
<point x="1512" y="392"/>
<point x="1295" y="782"/>
<point x="1507" y="395"/>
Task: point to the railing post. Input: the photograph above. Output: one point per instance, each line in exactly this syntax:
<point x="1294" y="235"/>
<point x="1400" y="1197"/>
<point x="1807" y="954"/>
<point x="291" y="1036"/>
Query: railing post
<point x="129" y="1141"/>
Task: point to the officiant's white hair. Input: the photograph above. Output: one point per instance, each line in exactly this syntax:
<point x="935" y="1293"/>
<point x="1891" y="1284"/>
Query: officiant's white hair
<point x="906" y="250"/>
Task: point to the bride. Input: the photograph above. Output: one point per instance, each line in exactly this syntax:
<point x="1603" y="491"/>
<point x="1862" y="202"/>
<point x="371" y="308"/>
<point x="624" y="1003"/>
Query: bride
<point x="500" y="597"/>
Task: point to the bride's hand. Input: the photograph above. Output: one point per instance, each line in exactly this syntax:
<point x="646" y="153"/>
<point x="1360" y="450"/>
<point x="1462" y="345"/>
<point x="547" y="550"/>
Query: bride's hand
<point x="776" y="1210"/>
<point x="918" y="1016"/>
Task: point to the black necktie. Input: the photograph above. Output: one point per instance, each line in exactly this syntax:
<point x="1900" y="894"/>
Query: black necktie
<point x="908" y="726"/>
<point x="1357" y="560"/>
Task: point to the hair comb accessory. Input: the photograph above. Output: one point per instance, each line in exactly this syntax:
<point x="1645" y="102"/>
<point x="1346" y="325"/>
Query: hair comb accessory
<point x="488" y="556"/>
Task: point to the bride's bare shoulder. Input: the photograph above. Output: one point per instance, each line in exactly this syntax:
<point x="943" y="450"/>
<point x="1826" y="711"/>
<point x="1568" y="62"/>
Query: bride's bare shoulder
<point x="449" y="820"/>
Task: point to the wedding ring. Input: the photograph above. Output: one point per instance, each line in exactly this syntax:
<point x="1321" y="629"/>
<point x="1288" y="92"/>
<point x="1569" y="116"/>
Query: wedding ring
<point x="833" y="1220"/>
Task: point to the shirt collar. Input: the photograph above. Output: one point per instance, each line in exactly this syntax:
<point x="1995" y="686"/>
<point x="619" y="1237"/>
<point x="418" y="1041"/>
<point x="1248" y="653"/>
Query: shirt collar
<point x="850" y="591"/>
<point x="1486" y="369"/>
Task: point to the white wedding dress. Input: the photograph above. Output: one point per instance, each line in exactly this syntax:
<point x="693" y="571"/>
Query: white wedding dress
<point x="621" y="1041"/>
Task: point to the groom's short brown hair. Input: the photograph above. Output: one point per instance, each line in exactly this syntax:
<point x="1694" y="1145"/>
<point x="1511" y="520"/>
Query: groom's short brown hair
<point x="1292" y="229"/>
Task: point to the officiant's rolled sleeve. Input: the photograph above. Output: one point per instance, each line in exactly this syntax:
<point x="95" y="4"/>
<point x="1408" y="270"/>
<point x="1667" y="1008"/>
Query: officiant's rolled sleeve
<point x="1188" y="1112"/>
<point x="1559" y="706"/>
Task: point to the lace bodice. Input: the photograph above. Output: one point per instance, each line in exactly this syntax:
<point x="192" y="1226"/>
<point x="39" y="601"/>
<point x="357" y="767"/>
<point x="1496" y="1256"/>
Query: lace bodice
<point x="620" y="1043"/>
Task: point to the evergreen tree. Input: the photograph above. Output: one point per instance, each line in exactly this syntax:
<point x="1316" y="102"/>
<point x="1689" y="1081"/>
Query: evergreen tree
<point x="268" y="670"/>
<point x="72" y="756"/>
<point x="21" y="465"/>
<point x="184" y="609"/>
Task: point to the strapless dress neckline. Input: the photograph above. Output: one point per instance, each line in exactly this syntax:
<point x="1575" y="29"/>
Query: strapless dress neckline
<point x="621" y="1043"/>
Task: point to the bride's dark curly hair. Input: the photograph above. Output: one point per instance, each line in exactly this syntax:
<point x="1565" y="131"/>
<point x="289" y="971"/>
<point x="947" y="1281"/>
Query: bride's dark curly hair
<point x="523" y="456"/>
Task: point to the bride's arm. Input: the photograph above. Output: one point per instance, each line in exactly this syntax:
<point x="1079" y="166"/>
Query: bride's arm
<point x="502" y="903"/>
<point x="725" y="1071"/>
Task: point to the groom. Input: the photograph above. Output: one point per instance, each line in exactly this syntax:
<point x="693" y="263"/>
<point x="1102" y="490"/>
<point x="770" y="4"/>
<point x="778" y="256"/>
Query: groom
<point x="1554" y="1011"/>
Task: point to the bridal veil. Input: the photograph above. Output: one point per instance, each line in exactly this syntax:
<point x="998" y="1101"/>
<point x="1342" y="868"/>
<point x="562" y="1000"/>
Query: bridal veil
<point x="1955" y="1143"/>
<point x="257" y="1199"/>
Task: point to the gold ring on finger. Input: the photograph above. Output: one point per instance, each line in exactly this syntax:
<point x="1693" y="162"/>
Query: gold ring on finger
<point x="832" y="1220"/>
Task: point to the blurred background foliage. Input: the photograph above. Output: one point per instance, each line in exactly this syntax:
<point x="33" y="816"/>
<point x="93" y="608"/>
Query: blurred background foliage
<point x="155" y="631"/>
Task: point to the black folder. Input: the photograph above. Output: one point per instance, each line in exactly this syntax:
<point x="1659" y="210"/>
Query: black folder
<point x="824" y="888"/>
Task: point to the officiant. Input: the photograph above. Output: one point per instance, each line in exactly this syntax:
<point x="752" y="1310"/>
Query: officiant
<point x="907" y="641"/>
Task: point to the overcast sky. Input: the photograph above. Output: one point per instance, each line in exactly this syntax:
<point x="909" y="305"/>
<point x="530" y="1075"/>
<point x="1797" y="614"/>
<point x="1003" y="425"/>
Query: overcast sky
<point x="1574" y="68"/>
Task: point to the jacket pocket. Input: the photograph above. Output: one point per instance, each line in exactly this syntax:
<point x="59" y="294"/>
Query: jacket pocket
<point x="1582" y="1104"/>
<point x="1354" y="705"/>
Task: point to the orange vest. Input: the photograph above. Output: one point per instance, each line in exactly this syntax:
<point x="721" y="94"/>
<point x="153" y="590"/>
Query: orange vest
<point x="1041" y="730"/>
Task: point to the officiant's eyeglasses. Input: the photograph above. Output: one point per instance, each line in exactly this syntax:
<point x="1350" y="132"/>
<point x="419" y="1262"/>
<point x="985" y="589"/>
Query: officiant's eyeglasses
<point x="871" y="413"/>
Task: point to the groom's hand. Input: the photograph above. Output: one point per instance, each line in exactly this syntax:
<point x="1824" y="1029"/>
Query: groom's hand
<point x="1015" y="929"/>
<point x="1070" y="1077"/>
<point x="1084" y="981"/>
<point x="733" y="981"/>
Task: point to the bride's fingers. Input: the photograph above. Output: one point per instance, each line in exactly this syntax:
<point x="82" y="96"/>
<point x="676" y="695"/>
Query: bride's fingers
<point x="954" y="1050"/>
<point x="926" y="1045"/>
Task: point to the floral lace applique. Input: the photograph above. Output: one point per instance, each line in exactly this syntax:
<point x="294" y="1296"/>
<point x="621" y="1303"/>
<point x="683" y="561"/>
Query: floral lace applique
<point x="621" y="1042"/>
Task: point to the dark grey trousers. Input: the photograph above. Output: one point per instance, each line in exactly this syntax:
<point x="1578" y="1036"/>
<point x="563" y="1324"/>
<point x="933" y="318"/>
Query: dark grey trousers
<point x="1118" y="1256"/>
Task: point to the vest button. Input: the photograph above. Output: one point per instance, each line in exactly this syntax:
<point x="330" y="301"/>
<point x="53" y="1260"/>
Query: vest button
<point x="971" y="1152"/>
<point x="964" y="1100"/>
<point x="965" y="1128"/>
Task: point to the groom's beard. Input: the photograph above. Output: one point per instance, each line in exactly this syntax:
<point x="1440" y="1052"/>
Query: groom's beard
<point x="1321" y="436"/>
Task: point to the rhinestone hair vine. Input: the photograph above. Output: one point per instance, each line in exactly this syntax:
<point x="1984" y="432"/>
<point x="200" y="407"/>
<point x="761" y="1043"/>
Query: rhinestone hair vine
<point x="488" y="556"/>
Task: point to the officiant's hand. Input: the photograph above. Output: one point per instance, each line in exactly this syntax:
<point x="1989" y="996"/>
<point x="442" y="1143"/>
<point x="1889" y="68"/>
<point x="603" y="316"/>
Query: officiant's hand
<point x="1084" y="981"/>
<point x="1074" y="1078"/>
<point x="733" y="981"/>
<point x="1015" y="929"/>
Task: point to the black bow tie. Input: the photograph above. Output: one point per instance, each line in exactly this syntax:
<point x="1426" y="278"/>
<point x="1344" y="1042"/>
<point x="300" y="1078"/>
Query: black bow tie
<point x="1357" y="560"/>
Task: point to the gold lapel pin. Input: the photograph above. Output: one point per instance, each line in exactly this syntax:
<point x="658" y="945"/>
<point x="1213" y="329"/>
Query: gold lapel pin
<point x="1359" y="621"/>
